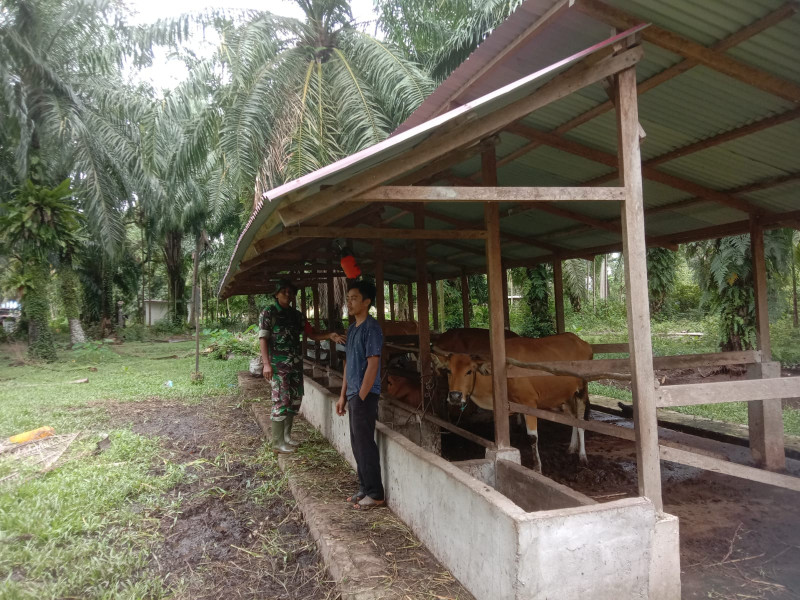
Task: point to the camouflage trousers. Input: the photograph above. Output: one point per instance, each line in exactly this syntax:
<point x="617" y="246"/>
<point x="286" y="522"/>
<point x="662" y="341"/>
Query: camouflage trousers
<point x="287" y="389"/>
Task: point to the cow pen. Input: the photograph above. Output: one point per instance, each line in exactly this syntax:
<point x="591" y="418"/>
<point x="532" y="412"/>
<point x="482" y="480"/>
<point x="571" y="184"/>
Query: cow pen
<point x="454" y="178"/>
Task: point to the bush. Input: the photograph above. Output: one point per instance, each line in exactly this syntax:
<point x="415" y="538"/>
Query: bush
<point x="785" y="341"/>
<point x="224" y="343"/>
<point x="167" y="327"/>
<point x="133" y="333"/>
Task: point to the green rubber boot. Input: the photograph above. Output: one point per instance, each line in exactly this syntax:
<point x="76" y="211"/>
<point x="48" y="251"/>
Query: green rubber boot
<point x="278" y="442"/>
<point x="287" y="432"/>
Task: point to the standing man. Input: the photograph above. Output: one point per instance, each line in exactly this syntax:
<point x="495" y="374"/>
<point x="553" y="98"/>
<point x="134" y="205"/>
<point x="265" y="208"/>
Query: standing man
<point x="361" y="388"/>
<point x="280" y="330"/>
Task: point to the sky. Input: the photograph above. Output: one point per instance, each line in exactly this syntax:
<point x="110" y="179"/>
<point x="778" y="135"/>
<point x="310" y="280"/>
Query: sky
<point x="166" y="73"/>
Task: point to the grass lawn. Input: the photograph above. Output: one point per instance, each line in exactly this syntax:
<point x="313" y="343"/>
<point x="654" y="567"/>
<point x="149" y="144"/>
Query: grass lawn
<point x="81" y="530"/>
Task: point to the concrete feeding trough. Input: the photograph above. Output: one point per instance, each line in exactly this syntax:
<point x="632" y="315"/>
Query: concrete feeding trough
<point x="507" y="532"/>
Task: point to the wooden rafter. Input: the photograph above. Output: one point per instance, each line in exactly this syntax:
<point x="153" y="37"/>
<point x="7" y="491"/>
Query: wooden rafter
<point x="783" y="12"/>
<point x="689" y="49"/>
<point x="650" y="173"/>
<point x="491" y="194"/>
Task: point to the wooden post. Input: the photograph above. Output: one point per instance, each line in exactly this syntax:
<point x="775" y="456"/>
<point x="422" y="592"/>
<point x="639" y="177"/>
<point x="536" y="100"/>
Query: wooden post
<point x="506" y="316"/>
<point x="494" y="272"/>
<point x="465" y="299"/>
<point x="379" y="299"/>
<point x="558" y="292"/>
<point x="333" y="358"/>
<point x="315" y="299"/>
<point x="410" y="297"/>
<point x="423" y="321"/>
<point x="435" y="305"/>
<point x="304" y="310"/>
<point x="391" y="300"/>
<point x="765" y="417"/>
<point x="633" y="244"/>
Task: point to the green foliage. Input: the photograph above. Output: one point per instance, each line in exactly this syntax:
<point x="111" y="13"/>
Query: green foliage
<point x="661" y="270"/>
<point x="224" y="343"/>
<point x="532" y="317"/>
<point x="38" y="311"/>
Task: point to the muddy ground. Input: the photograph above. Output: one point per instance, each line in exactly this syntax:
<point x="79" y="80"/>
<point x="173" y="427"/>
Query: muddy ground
<point x="232" y="528"/>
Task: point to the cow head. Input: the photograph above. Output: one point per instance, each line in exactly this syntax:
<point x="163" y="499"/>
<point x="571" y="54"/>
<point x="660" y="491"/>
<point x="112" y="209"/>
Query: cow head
<point x="462" y="371"/>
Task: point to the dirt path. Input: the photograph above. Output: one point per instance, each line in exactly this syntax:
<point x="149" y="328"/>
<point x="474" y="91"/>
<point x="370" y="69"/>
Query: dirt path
<point x="231" y="528"/>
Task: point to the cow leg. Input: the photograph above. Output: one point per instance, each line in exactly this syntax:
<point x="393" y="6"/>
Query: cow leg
<point x="577" y="407"/>
<point x="532" y="424"/>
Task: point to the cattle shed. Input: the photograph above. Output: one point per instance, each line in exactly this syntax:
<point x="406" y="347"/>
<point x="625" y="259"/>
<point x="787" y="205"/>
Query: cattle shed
<point x="577" y="128"/>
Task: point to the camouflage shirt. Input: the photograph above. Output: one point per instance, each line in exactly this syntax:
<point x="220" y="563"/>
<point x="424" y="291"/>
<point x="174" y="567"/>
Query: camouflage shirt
<point x="282" y="327"/>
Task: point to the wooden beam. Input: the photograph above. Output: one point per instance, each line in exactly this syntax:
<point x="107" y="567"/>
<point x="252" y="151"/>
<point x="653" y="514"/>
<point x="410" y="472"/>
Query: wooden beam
<point x="687" y="48"/>
<point x="379" y="300"/>
<point x="751" y="390"/>
<point x="369" y="233"/>
<point x="391" y="301"/>
<point x="465" y="299"/>
<point x="456" y="134"/>
<point x="491" y="194"/>
<point x="423" y="318"/>
<point x="435" y="305"/>
<point x="650" y="173"/>
<point x="610" y="226"/>
<point x="558" y="292"/>
<point x="636" y="298"/>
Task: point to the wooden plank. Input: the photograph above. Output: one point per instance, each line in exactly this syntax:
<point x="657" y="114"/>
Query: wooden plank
<point x="435" y="304"/>
<point x="725" y="467"/>
<point x="636" y="298"/>
<point x="423" y="319"/>
<point x="333" y="358"/>
<point x="368" y="233"/>
<point x="765" y="420"/>
<point x="564" y="419"/>
<point x="690" y="49"/>
<point x="494" y="272"/>
<point x="558" y="292"/>
<point x="760" y="287"/>
<point x="315" y="300"/>
<point x="304" y="309"/>
<point x="410" y="296"/>
<point x="506" y="315"/>
<point x="456" y="134"/>
<point x="399" y="194"/>
<point x="391" y="300"/>
<point x="380" y="307"/>
<point x="446" y="425"/>
<point x="465" y="299"/>
<point x="689" y="394"/>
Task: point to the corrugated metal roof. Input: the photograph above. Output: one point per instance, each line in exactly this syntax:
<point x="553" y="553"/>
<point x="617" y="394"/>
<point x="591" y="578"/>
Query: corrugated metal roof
<point x="696" y="104"/>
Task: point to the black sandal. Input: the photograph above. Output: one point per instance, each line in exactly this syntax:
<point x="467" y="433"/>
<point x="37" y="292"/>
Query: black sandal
<point x="355" y="498"/>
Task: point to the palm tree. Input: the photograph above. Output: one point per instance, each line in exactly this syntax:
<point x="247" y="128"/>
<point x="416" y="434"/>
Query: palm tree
<point x="38" y="225"/>
<point x="441" y="35"/>
<point x="302" y="94"/>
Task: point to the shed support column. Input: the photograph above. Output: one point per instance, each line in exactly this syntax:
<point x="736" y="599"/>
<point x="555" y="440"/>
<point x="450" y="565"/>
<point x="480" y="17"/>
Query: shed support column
<point x="465" y="299"/>
<point x="506" y="316"/>
<point x="304" y="309"/>
<point x="410" y="297"/>
<point x="315" y="299"/>
<point x="435" y="305"/>
<point x="391" y="300"/>
<point x="633" y="244"/>
<point x="333" y="358"/>
<point x="558" y="292"/>
<point x="379" y="298"/>
<point x="765" y="417"/>
<point x="423" y="322"/>
<point x="494" y="272"/>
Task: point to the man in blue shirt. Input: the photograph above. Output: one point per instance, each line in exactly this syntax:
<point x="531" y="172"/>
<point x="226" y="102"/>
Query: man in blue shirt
<point x="361" y="388"/>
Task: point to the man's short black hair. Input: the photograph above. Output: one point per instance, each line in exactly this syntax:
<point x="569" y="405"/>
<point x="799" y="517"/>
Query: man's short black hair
<point x="366" y="288"/>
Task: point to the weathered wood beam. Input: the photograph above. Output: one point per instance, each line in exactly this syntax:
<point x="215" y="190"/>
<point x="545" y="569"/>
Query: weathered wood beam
<point x="636" y="297"/>
<point x="491" y="194"/>
<point x="456" y="133"/>
<point x="368" y="233"/>
<point x="650" y="173"/>
<point x="465" y="304"/>
<point x="687" y="48"/>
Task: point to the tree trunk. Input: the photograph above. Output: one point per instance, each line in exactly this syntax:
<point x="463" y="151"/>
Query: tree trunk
<point x="173" y="261"/>
<point x="40" y="338"/>
<point x="195" y="311"/>
<point x="69" y="295"/>
<point x="794" y="293"/>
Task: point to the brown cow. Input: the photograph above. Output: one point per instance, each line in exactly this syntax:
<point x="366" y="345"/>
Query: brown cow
<point x="469" y="379"/>
<point x="466" y="340"/>
<point x="404" y="389"/>
<point x="391" y="328"/>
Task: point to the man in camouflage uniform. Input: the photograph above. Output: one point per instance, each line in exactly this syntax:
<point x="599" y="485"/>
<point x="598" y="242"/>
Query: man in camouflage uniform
<point x="280" y="331"/>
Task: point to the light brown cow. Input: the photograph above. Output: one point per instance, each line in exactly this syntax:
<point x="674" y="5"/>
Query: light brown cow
<point x="404" y="389"/>
<point x="466" y="340"/>
<point x="469" y="379"/>
<point x="391" y="328"/>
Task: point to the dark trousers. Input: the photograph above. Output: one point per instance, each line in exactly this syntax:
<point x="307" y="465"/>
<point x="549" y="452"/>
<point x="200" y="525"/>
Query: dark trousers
<point x="363" y="414"/>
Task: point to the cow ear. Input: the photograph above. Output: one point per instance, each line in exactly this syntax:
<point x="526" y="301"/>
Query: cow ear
<point x="438" y="363"/>
<point x="484" y="368"/>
